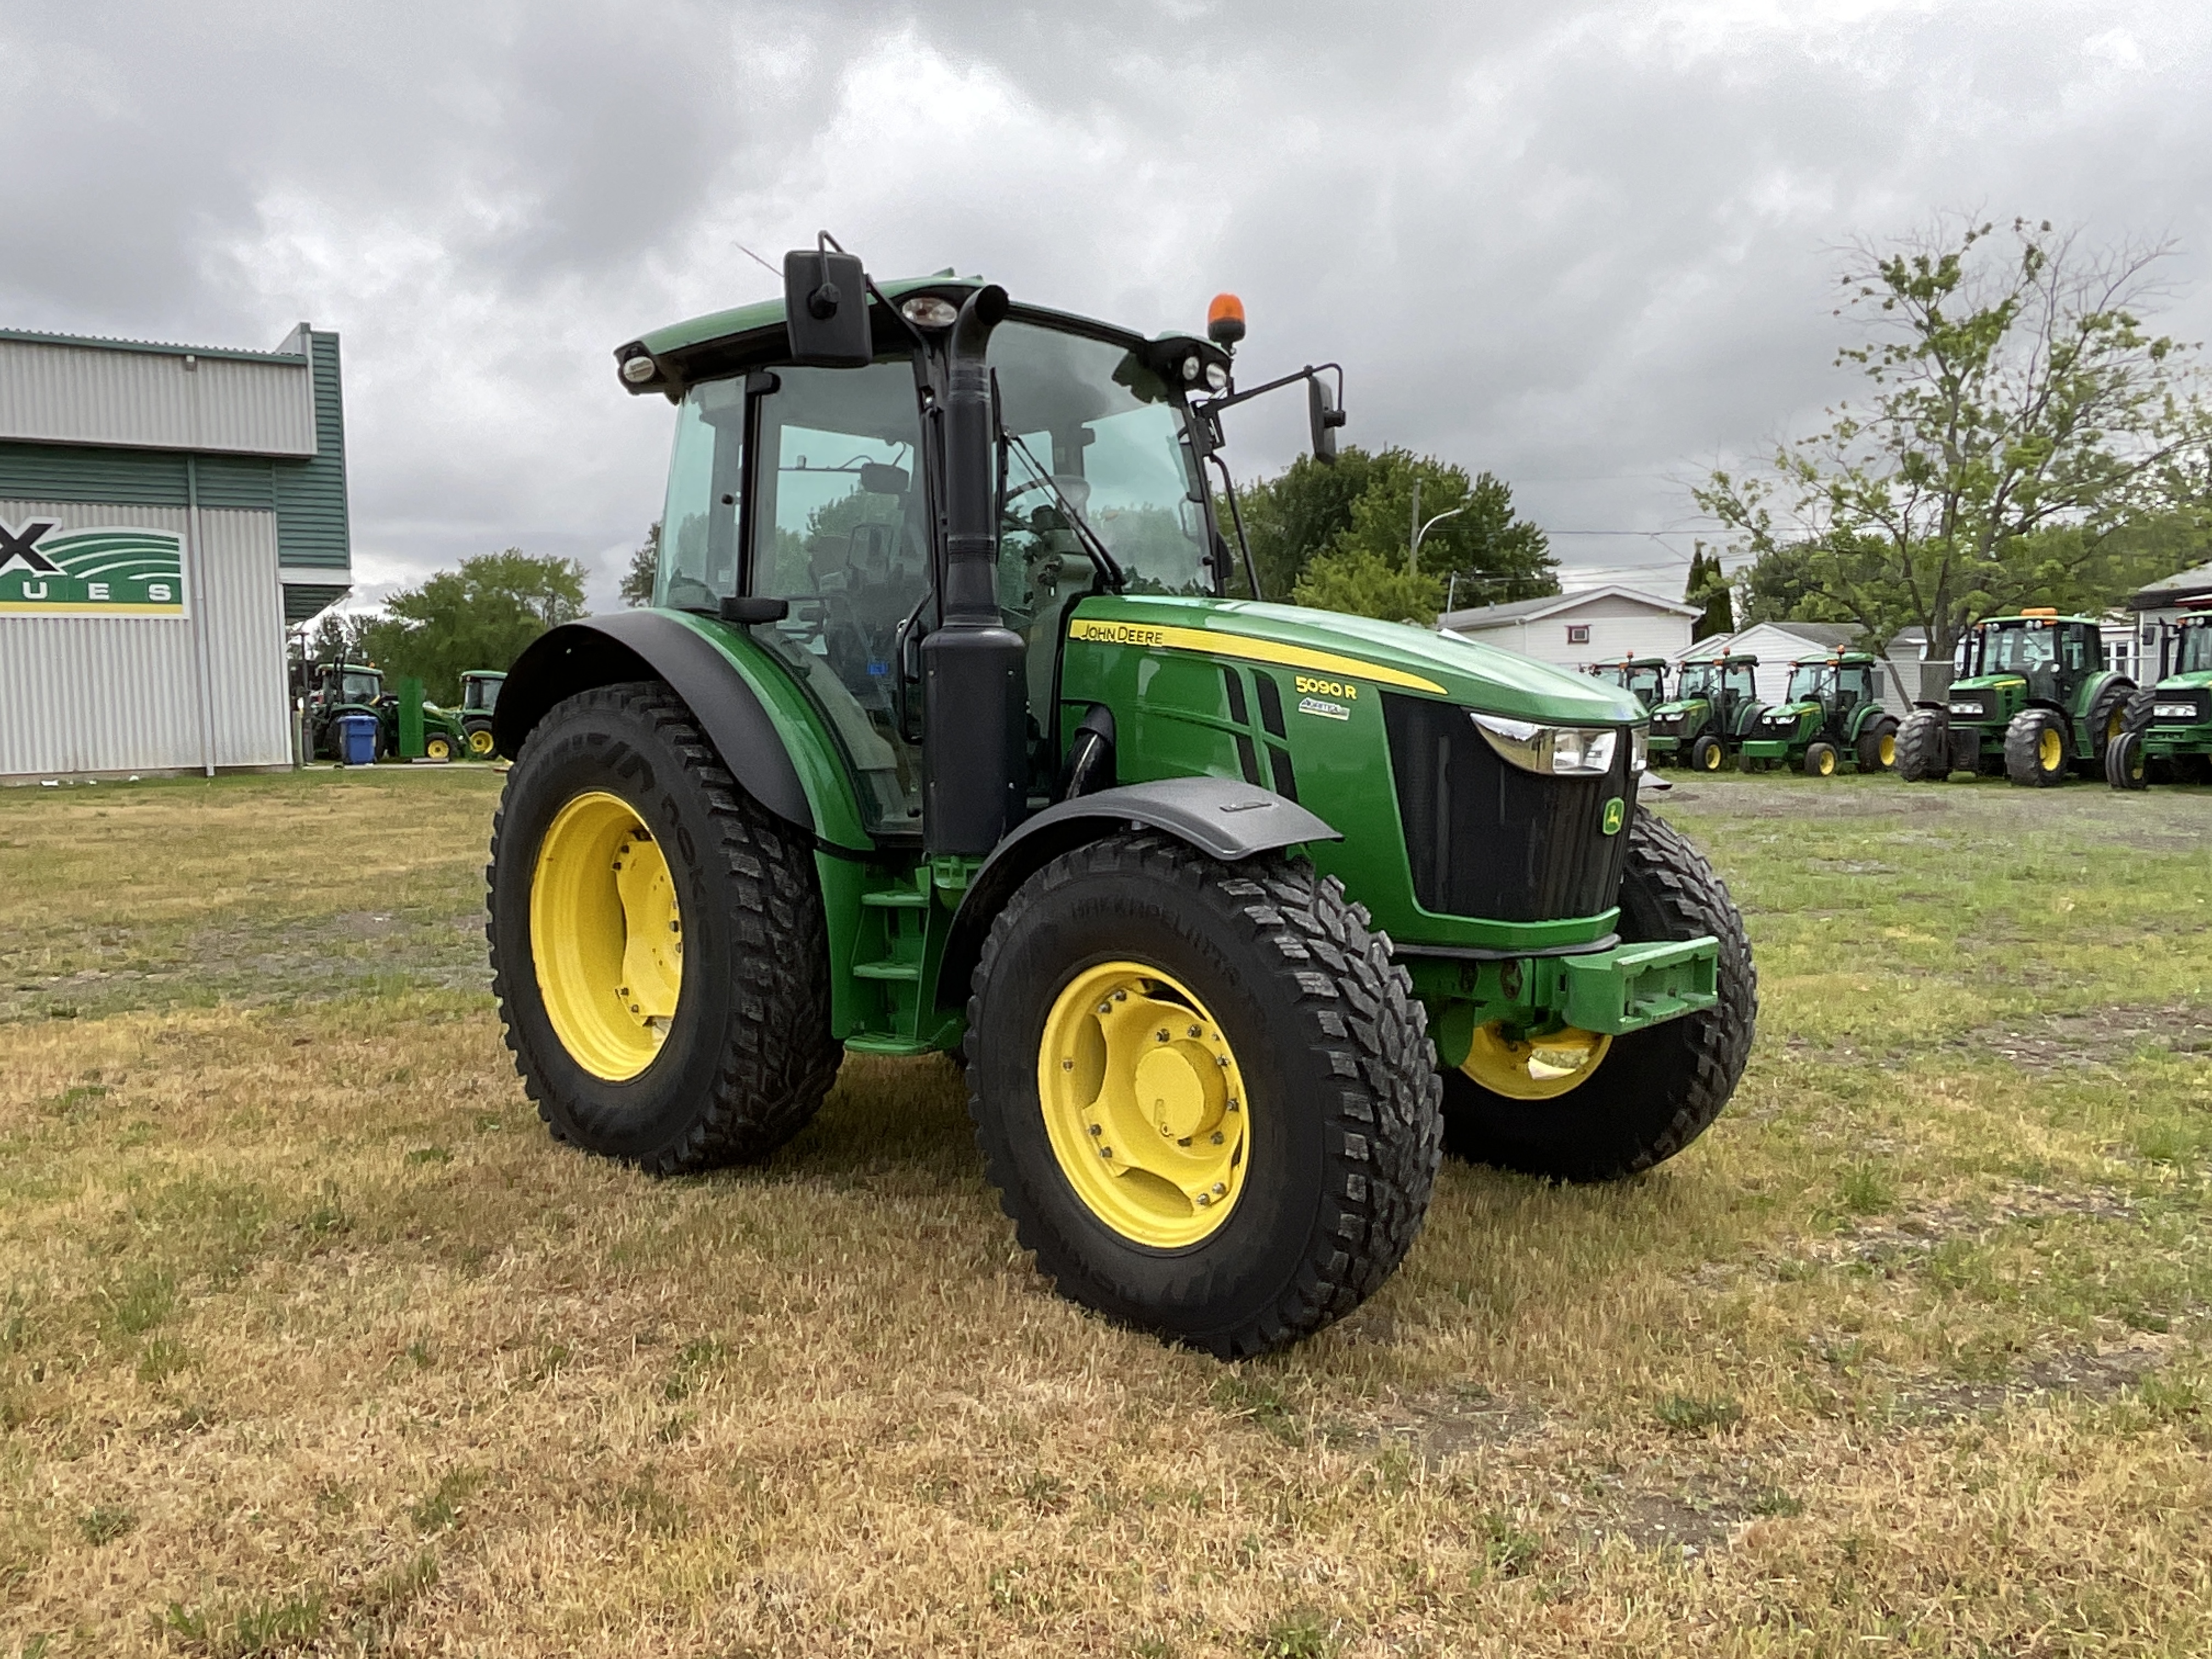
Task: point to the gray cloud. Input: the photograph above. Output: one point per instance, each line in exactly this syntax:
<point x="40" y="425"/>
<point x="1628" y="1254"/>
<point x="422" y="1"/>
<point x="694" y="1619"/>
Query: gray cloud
<point x="1587" y="247"/>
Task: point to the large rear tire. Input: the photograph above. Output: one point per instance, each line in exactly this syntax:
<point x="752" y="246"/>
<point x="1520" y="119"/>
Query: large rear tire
<point x="620" y="831"/>
<point x="1650" y="1093"/>
<point x="1923" y="747"/>
<point x="1205" y="1093"/>
<point x="2037" y="749"/>
<point x="2108" y="718"/>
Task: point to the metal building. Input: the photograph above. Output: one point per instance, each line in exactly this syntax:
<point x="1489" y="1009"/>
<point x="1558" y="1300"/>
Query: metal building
<point x="165" y="512"/>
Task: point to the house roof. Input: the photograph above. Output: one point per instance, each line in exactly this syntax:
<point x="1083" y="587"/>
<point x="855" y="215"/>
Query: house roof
<point x="1825" y="637"/>
<point x="2179" y="586"/>
<point x="1491" y="615"/>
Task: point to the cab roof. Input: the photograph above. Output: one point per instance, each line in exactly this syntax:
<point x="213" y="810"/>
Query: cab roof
<point x="1830" y="659"/>
<point x="722" y="342"/>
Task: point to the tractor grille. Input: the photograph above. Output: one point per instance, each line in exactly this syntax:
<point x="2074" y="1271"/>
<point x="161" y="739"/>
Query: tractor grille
<point x="1487" y="839"/>
<point x="1666" y="725"/>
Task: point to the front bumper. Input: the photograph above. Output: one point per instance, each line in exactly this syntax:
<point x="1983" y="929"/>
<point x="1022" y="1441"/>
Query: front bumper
<point x="1766" y="748"/>
<point x="2165" y="742"/>
<point x="1614" y="991"/>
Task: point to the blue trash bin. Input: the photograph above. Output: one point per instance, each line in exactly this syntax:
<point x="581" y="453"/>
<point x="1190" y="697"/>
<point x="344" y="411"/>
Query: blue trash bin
<point x="356" y="739"/>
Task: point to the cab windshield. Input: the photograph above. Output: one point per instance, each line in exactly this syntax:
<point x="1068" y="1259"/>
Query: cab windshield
<point x="2196" y="653"/>
<point x="1809" y="684"/>
<point x="360" y="688"/>
<point x="2016" y="647"/>
<point x="1698" y="680"/>
<point x="1093" y="434"/>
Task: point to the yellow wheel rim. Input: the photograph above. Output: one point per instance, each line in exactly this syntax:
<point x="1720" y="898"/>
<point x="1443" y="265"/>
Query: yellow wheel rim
<point x="1827" y="763"/>
<point x="1143" y="1105"/>
<point x="1533" y="1068"/>
<point x="437" y="749"/>
<point x="606" y="933"/>
<point x="1888" y="749"/>
<point x="2118" y="719"/>
<point x="480" y="741"/>
<point x="1713" y="758"/>
<point x="2050" y="751"/>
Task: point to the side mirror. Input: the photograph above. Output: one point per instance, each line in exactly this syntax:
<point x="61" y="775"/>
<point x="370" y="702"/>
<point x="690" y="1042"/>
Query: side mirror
<point x="1320" y="406"/>
<point x="825" y="309"/>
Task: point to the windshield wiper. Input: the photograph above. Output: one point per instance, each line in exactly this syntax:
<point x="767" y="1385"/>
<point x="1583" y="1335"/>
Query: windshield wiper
<point x="1107" y="562"/>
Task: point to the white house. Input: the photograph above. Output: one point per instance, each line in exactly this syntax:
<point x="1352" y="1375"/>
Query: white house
<point x="1598" y="624"/>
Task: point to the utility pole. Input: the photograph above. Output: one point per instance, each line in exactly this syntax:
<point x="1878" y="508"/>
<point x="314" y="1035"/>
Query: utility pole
<point x="1420" y="530"/>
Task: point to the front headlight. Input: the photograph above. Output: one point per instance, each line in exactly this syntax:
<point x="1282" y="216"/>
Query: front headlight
<point x="1639" y="749"/>
<point x="1560" y="751"/>
<point x="2174" y="711"/>
<point x="1970" y="710"/>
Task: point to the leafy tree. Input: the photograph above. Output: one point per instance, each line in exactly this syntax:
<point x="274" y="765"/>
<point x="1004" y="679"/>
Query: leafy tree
<point x="480" y="615"/>
<point x="1778" y="586"/>
<point x="644" y="562"/>
<point x="1363" y="583"/>
<point x="1707" y="586"/>
<point x="1359" y="517"/>
<point x="2019" y="418"/>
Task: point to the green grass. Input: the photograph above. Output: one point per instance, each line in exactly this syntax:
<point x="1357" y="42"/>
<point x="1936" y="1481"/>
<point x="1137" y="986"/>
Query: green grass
<point x="311" y="1339"/>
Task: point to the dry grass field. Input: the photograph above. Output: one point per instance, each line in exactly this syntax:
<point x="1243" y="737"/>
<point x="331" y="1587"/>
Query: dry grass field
<point x="312" y="1342"/>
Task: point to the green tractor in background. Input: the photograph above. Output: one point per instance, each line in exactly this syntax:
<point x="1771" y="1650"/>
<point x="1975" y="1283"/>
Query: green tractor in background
<point x="479" y="700"/>
<point x="333" y="688"/>
<point x="2033" y="701"/>
<point x="2167" y="737"/>
<point x="1714" y="708"/>
<point x="942" y="735"/>
<point x="1644" y="678"/>
<point x="1829" y="716"/>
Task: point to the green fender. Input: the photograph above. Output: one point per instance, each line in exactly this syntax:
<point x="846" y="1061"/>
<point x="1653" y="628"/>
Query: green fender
<point x="774" y="741"/>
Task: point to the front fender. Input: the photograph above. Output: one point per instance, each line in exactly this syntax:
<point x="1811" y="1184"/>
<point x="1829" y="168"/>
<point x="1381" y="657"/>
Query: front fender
<point x="754" y="733"/>
<point x="1223" y="818"/>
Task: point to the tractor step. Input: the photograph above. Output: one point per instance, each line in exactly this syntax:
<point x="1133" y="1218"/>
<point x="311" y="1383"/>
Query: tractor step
<point x="895" y="898"/>
<point x="907" y="971"/>
<point x="887" y="1045"/>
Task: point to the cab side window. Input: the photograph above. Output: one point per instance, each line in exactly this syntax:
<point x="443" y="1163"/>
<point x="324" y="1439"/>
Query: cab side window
<point x="839" y="527"/>
<point x="699" y="524"/>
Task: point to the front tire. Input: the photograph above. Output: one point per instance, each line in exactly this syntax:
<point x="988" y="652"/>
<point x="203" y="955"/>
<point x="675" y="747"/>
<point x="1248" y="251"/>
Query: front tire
<point x="2126" y="767"/>
<point x="2036" y="751"/>
<point x="1706" y="754"/>
<point x="1651" y="1093"/>
<point x="1877" y="746"/>
<point x="620" y="831"/>
<point x="1923" y="747"/>
<point x="1820" y="759"/>
<point x="1283" y="1027"/>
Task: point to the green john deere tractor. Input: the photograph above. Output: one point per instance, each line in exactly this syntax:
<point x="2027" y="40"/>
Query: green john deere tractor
<point x="333" y="688"/>
<point x="1644" y="678"/>
<point x="1715" y="707"/>
<point x="2167" y="735"/>
<point x="2033" y="701"/>
<point x="1830" y="716"/>
<point x="479" y="698"/>
<point x="943" y="736"/>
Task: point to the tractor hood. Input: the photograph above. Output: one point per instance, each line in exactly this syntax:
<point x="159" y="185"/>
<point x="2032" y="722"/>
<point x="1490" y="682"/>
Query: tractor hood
<point x="1328" y="645"/>
<point x="1790" y="716"/>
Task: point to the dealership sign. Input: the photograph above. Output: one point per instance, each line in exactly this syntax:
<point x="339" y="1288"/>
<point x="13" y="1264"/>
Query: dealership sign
<point x="108" y="571"/>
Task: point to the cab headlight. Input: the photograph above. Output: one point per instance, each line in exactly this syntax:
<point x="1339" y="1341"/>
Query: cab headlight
<point x="1560" y="751"/>
<point x="1639" y="749"/>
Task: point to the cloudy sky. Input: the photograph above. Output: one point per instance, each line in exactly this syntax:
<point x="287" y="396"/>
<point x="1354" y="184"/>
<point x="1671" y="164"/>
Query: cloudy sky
<point x="1587" y="247"/>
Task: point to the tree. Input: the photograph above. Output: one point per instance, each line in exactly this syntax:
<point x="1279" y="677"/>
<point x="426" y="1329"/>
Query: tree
<point x="1338" y="532"/>
<point x="1362" y="583"/>
<point x="1708" y="587"/>
<point x="480" y="615"/>
<point x="644" y="563"/>
<point x="2019" y="419"/>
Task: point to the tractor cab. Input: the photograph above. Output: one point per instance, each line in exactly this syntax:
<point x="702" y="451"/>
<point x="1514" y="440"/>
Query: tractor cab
<point x="480" y="690"/>
<point x="958" y="724"/>
<point x="1831" y="714"/>
<point x="1644" y="678"/>
<point x="1714" y="707"/>
<point x="360" y="685"/>
<point x="2033" y="700"/>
